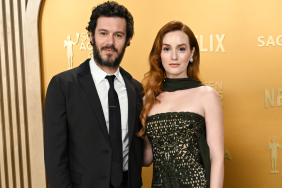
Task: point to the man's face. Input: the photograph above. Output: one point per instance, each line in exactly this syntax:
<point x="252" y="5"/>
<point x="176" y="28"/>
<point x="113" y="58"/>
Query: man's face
<point x="109" y="41"/>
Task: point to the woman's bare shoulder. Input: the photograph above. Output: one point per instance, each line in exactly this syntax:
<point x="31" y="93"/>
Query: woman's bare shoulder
<point x="208" y="94"/>
<point x="207" y="90"/>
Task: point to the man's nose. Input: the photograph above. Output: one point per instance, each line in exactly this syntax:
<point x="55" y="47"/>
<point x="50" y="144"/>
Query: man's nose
<point x="110" y="40"/>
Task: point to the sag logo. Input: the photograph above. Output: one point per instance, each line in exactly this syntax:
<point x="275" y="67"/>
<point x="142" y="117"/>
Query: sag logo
<point x="219" y="46"/>
<point x="69" y="44"/>
<point x="273" y="147"/>
<point x="270" y="99"/>
<point x="270" y="41"/>
<point x="84" y="45"/>
<point x="85" y="37"/>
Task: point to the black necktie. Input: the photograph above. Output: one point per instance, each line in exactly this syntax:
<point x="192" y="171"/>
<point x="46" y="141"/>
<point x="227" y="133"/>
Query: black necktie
<point x="115" y="134"/>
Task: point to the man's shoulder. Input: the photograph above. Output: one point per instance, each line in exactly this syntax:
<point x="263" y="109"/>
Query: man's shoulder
<point x="137" y="84"/>
<point x="133" y="80"/>
<point x="66" y="75"/>
<point x="73" y="73"/>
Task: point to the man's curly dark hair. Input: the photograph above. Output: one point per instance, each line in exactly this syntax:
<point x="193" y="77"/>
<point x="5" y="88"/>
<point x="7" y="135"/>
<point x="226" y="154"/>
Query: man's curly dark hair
<point x="112" y="9"/>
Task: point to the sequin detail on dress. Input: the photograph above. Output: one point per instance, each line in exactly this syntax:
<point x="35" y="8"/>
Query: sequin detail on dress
<point x="174" y="138"/>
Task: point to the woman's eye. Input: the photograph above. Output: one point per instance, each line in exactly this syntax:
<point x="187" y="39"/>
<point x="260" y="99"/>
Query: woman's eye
<point x="182" y="49"/>
<point x="166" y="49"/>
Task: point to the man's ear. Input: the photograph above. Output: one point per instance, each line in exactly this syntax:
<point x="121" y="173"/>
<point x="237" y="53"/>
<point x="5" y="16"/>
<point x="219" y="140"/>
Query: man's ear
<point x="90" y="34"/>
<point x="128" y="42"/>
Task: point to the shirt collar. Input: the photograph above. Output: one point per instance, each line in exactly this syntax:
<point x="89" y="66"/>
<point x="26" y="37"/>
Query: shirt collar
<point x="99" y="75"/>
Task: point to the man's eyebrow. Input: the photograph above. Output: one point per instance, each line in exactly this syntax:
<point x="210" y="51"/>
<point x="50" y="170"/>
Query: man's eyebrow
<point x="119" y="32"/>
<point x="102" y="30"/>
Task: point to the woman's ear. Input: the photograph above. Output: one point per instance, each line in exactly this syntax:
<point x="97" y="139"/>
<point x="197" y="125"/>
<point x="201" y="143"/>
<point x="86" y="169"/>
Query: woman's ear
<point x="192" y="52"/>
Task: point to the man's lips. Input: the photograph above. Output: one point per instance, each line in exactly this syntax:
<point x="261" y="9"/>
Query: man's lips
<point x="109" y="50"/>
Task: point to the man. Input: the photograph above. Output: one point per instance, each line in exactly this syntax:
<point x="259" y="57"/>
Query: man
<point x="92" y="112"/>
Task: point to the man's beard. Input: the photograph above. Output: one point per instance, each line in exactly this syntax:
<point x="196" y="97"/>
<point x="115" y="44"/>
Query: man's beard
<point x="108" y="63"/>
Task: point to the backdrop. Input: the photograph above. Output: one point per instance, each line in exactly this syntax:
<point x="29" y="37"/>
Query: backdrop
<point x="240" y="42"/>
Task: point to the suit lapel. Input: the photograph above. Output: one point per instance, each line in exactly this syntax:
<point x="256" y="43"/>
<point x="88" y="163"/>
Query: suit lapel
<point x="86" y="80"/>
<point x="131" y="94"/>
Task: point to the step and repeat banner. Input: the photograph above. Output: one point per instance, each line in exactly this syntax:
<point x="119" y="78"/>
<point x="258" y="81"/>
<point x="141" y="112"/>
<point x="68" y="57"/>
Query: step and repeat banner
<point x="241" y="47"/>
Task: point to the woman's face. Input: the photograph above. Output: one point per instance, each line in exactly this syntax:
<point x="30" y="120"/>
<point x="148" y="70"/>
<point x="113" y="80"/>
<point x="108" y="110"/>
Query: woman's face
<point x="176" y="54"/>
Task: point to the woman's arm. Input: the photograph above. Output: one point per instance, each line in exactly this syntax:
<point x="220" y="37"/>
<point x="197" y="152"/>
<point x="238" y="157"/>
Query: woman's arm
<point x="147" y="149"/>
<point x="215" y="136"/>
<point x="148" y="154"/>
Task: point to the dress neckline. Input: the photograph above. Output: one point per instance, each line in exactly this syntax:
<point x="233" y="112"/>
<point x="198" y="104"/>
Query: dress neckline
<point x="180" y="112"/>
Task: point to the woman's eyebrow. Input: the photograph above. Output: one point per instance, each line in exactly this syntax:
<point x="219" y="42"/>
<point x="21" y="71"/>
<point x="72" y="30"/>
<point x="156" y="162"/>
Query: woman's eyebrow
<point x="177" y="45"/>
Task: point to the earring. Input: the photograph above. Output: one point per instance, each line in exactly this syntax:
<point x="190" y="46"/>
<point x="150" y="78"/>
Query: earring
<point x="191" y="60"/>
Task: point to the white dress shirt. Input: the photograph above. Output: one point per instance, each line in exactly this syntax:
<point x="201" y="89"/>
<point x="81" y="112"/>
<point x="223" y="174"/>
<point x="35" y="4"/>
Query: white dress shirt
<point x="103" y="86"/>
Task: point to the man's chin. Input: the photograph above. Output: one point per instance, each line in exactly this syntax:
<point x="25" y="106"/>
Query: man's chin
<point x="108" y="63"/>
<point x="106" y="55"/>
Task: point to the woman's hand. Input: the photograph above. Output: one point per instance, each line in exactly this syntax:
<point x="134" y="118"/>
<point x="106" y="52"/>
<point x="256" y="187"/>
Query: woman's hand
<point x="148" y="153"/>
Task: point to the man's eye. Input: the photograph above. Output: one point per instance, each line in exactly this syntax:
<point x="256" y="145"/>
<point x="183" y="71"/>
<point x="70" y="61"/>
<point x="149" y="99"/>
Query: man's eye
<point x="102" y="33"/>
<point x="118" y="35"/>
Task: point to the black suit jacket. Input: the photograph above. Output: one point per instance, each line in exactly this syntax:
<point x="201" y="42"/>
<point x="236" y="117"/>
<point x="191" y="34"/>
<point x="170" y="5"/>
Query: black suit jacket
<point x="77" y="148"/>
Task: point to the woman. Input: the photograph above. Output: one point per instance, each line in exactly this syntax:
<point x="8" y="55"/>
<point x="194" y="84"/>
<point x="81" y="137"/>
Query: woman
<point x="182" y="119"/>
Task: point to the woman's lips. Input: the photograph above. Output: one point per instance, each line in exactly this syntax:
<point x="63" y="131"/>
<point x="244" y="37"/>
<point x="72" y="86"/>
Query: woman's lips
<point x="174" y="64"/>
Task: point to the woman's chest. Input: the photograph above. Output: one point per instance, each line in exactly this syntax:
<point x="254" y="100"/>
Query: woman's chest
<point x="177" y="102"/>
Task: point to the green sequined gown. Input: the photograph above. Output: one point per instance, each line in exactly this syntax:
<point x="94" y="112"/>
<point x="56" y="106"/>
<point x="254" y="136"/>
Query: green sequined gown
<point x="174" y="139"/>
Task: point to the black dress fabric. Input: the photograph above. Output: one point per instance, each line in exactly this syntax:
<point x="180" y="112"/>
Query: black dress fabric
<point x="180" y="150"/>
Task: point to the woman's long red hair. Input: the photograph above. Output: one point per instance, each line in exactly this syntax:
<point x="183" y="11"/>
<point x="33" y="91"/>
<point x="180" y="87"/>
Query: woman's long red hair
<point x="154" y="79"/>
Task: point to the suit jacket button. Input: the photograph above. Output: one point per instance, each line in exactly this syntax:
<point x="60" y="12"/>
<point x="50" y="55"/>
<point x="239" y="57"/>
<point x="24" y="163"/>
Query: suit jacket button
<point x="103" y="177"/>
<point x="105" y="151"/>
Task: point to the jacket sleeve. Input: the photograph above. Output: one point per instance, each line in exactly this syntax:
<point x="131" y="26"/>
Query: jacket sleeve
<point x="56" y="137"/>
